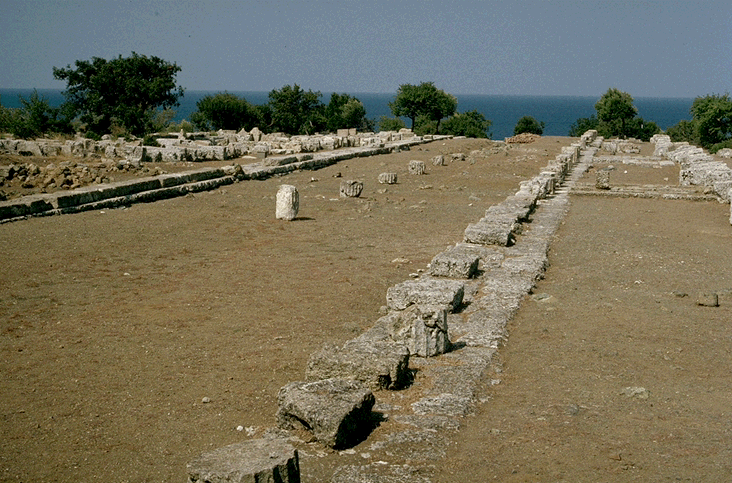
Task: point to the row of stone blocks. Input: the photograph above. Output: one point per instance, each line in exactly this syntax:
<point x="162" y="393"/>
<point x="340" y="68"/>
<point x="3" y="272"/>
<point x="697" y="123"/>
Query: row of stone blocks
<point x="336" y="400"/>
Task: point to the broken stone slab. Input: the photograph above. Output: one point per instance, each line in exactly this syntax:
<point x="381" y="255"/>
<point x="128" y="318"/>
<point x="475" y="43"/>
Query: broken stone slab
<point x="429" y="292"/>
<point x="454" y="263"/>
<point x="379" y="364"/>
<point x="707" y="299"/>
<point x="351" y="188"/>
<point x="336" y="411"/>
<point x="255" y="460"/>
<point x="388" y="178"/>
<point x="288" y="203"/>
<point x="416" y="167"/>
<point x="602" y="180"/>
<point x="438" y="160"/>
<point x="422" y="328"/>
<point x="444" y="404"/>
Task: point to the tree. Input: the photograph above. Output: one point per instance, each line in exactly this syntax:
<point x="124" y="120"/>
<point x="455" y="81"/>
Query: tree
<point x="712" y="117"/>
<point x="471" y="124"/>
<point x="530" y="125"/>
<point x="390" y="123"/>
<point x="225" y="111"/>
<point x="424" y="99"/>
<point x="582" y="125"/>
<point x="345" y="112"/>
<point x="295" y="111"/>
<point x="125" y="91"/>
<point x="35" y="118"/>
<point x="683" y="131"/>
<point x="615" y="110"/>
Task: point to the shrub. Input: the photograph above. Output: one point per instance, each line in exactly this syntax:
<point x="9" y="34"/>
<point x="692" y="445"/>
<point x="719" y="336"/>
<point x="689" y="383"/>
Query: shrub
<point x="35" y="118"/>
<point x="471" y="124"/>
<point x="424" y="125"/>
<point x="391" y="123"/>
<point x="582" y="125"/>
<point x="530" y="125"/>
<point x="149" y="140"/>
<point x="224" y="111"/>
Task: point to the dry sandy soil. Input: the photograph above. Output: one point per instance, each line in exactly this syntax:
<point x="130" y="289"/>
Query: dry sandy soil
<point x="115" y="325"/>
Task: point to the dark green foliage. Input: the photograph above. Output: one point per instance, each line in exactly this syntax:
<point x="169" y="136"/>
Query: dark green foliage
<point x="345" y="112"/>
<point x="530" y="125"/>
<point x="724" y="144"/>
<point x="225" y="111"/>
<point x="391" y="124"/>
<point x="582" y="125"/>
<point x="712" y="115"/>
<point x="423" y="100"/>
<point x="471" y="124"/>
<point x="424" y="125"/>
<point x="295" y="111"/>
<point x="126" y="91"/>
<point x="35" y="118"/>
<point x="643" y="130"/>
<point x="683" y="131"/>
<point x="149" y="140"/>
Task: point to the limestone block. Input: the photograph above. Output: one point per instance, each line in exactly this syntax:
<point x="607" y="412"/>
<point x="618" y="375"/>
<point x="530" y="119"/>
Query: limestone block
<point x="388" y="178"/>
<point x="351" y="188"/>
<point x="422" y="328"/>
<point x="438" y="160"/>
<point x="416" y="167"/>
<point x="337" y="411"/>
<point x="249" y="461"/>
<point x="707" y="299"/>
<point x="288" y="203"/>
<point x="454" y="263"/>
<point x="379" y="364"/>
<point x="457" y="157"/>
<point x="602" y="181"/>
<point x="491" y="232"/>
<point x="430" y="292"/>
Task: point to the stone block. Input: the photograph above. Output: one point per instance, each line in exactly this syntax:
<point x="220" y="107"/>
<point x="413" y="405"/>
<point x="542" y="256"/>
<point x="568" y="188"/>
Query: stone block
<point x="251" y="461"/>
<point x="337" y="411"/>
<point x="438" y="160"/>
<point x="457" y="157"/>
<point x="423" y="329"/>
<point x="707" y="299"/>
<point x="430" y="292"/>
<point x="454" y="263"/>
<point x="379" y="364"/>
<point x="491" y="232"/>
<point x="602" y="180"/>
<point x="351" y="189"/>
<point x="388" y="178"/>
<point x="416" y="167"/>
<point x="288" y="203"/>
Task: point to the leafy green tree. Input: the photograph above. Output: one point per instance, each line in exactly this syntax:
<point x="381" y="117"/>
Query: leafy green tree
<point x="471" y="124"/>
<point x="345" y="112"/>
<point x="615" y="110"/>
<point x="391" y="123"/>
<point x="424" y="99"/>
<point x="582" y="125"/>
<point x="683" y="131"/>
<point x="225" y="111"/>
<point x="295" y="111"/>
<point x="126" y="91"/>
<point x="34" y="118"/>
<point x="643" y="130"/>
<point x="712" y="116"/>
<point x="530" y="125"/>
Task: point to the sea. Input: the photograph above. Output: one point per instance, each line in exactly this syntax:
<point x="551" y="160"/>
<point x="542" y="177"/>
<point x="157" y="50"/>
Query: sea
<point x="557" y="112"/>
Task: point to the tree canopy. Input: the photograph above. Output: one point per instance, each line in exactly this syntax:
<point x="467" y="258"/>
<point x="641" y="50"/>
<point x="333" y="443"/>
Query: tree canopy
<point x="296" y="111"/>
<point x="471" y="124"/>
<point x="712" y="115"/>
<point x="530" y="125"/>
<point x="225" y="111"/>
<point x="616" y="117"/>
<point x="125" y="91"/>
<point x="423" y="100"/>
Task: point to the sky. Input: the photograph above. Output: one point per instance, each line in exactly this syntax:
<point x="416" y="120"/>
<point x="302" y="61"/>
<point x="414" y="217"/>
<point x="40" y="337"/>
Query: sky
<point x="663" y="48"/>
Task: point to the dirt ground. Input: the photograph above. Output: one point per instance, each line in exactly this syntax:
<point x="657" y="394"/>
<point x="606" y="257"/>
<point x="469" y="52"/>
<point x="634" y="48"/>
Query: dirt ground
<point x="116" y="324"/>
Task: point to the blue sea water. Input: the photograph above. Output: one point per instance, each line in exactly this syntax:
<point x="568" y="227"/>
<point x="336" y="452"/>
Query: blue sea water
<point x="557" y="112"/>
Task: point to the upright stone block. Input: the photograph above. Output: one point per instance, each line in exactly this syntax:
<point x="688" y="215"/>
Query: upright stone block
<point x="247" y="462"/>
<point x="438" y="160"/>
<point x="602" y="181"/>
<point x="422" y="328"/>
<point x="351" y="189"/>
<point x="454" y="263"/>
<point x="288" y="202"/>
<point x="416" y="167"/>
<point x="337" y="411"/>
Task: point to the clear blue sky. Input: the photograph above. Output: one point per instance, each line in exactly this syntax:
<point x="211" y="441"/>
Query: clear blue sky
<point x="647" y="48"/>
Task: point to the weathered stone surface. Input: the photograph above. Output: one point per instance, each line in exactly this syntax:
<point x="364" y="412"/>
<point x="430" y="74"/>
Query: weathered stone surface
<point x="257" y="460"/>
<point x="351" y="188"/>
<point x="430" y="292"/>
<point x="388" y="178"/>
<point x="457" y="157"/>
<point x="491" y="232"/>
<point x="422" y="328"/>
<point x="337" y="411"/>
<point x="602" y="181"/>
<point x="707" y="299"/>
<point x="379" y="364"/>
<point x="454" y="263"/>
<point x="416" y="167"/>
<point x="438" y="160"/>
<point x="288" y="202"/>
